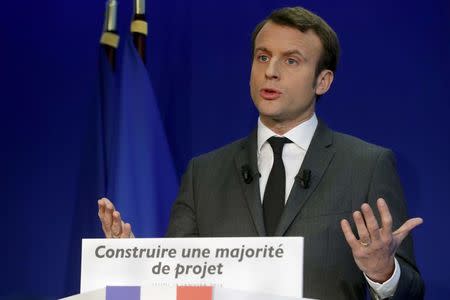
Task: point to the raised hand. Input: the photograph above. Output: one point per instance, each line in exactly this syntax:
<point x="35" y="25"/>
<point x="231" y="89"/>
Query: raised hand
<point x="374" y="251"/>
<point x="112" y="224"/>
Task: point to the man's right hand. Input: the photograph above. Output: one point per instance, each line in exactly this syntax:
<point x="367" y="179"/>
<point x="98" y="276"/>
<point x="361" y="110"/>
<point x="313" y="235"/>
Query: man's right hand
<point x="112" y="224"/>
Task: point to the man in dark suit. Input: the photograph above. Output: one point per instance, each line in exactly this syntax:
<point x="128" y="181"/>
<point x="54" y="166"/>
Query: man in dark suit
<point x="293" y="176"/>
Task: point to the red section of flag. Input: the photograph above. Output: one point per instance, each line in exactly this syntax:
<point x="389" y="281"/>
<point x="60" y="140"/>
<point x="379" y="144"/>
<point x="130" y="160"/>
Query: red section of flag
<point x="194" y="293"/>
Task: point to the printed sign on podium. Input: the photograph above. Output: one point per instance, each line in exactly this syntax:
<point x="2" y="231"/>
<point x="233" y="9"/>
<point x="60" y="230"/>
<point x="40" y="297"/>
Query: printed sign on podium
<point x="269" y="265"/>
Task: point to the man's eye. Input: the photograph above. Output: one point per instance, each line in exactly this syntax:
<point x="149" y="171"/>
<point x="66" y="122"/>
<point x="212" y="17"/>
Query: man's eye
<point x="291" y="61"/>
<point x="263" y="58"/>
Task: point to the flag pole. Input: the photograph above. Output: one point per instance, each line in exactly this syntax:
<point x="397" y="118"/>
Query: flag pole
<point x="110" y="37"/>
<point x="139" y="28"/>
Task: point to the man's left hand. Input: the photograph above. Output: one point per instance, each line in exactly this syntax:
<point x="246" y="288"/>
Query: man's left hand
<point x="375" y="249"/>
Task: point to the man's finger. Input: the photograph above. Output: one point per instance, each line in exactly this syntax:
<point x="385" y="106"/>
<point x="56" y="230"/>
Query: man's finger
<point x="116" y="228"/>
<point x="108" y="216"/>
<point x="371" y="222"/>
<point x="108" y="203"/>
<point x="101" y="208"/>
<point x="104" y="217"/>
<point x="348" y="234"/>
<point x="363" y="233"/>
<point x="126" y="230"/>
<point x="386" y="217"/>
<point x="402" y="232"/>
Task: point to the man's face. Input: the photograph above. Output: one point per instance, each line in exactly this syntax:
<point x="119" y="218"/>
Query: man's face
<point x="283" y="82"/>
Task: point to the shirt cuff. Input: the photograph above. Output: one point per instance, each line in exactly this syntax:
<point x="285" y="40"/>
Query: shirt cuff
<point x="386" y="289"/>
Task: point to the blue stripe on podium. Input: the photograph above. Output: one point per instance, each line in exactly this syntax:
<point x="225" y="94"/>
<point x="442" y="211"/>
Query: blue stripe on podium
<point x="123" y="292"/>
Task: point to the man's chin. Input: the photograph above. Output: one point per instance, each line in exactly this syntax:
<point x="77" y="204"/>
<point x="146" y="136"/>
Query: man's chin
<point x="272" y="118"/>
<point x="271" y="109"/>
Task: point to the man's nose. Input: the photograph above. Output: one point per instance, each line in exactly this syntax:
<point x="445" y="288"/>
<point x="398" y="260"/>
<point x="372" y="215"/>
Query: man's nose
<point x="272" y="70"/>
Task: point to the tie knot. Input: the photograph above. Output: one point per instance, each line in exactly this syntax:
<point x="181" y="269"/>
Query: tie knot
<point x="277" y="144"/>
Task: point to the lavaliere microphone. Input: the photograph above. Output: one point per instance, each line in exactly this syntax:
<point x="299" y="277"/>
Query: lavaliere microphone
<point x="304" y="177"/>
<point x="246" y="174"/>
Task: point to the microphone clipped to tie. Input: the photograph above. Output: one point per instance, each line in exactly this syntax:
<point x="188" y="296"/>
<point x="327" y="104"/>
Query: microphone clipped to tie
<point x="304" y="177"/>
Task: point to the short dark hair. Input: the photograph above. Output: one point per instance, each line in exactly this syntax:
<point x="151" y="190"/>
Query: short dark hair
<point x="304" y="20"/>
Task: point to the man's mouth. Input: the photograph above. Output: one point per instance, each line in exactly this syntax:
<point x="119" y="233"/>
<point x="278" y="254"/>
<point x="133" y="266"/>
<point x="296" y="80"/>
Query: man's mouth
<point x="270" y="94"/>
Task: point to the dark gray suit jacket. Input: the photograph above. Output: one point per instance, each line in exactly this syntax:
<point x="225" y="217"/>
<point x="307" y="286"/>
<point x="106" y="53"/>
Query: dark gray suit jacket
<point x="215" y="201"/>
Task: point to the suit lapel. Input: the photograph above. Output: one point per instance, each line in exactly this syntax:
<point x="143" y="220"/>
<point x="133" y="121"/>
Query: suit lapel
<point x="247" y="157"/>
<point x="317" y="158"/>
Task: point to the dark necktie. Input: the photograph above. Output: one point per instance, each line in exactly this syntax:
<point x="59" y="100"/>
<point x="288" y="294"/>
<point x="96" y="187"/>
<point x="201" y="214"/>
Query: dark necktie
<point x="274" y="195"/>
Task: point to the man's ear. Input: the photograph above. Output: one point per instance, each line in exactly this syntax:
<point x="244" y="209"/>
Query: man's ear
<point x="323" y="82"/>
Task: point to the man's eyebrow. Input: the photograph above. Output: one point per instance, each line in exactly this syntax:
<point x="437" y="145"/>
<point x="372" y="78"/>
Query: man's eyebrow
<point x="294" y="51"/>
<point x="263" y="49"/>
<point x="287" y="53"/>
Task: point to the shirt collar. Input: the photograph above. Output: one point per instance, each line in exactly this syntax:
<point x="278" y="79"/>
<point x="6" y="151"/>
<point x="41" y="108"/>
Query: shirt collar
<point x="301" y="135"/>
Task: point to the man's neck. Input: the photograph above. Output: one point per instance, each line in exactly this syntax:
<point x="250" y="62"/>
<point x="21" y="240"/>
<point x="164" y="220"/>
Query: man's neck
<point x="280" y="127"/>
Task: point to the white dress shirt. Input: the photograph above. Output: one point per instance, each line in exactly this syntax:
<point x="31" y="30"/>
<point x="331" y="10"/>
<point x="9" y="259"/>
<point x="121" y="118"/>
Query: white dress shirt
<point x="293" y="155"/>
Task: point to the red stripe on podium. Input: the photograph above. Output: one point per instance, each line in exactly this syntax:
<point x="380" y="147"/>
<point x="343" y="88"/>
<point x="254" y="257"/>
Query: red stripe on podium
<point x="194" y="293"/>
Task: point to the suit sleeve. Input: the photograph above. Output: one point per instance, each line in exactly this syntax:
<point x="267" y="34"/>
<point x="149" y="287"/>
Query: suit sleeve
<point x="183" y="219"/>
<point x="386" y="184"/>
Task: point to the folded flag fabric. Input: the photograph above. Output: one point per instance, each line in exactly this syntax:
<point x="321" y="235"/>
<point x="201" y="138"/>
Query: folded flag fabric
<point x="141" y="178"/>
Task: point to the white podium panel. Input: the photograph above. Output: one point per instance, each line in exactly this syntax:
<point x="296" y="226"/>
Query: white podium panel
<point x="269" y="265"/>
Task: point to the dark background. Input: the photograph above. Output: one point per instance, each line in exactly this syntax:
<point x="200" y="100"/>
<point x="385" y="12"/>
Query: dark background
<point x="391" y="88"/>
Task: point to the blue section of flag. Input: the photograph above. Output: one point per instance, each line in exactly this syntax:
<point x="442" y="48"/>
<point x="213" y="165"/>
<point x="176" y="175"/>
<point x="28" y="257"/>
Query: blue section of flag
<point x="141" y="178"/>
<point x="123" y="292"/>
